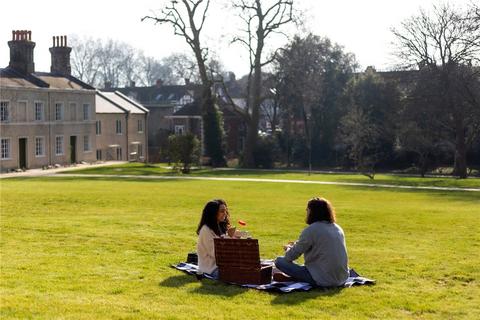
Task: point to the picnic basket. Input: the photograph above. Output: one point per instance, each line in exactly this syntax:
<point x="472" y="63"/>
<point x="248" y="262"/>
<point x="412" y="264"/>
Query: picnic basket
<point x="238" y="261"/>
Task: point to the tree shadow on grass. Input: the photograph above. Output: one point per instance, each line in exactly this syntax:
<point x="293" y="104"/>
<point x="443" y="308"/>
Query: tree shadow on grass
<point x="299" y="297"/>
<point x="218" y="288"/>
<point x="177" y="281"/>
<point x="468" y="196"/>
<point x="208" y="287"/>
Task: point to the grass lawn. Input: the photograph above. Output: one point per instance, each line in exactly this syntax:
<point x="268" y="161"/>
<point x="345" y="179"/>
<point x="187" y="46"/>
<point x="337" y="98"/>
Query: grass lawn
<point x="88" y="248"/>
<point x="148" y="170"/>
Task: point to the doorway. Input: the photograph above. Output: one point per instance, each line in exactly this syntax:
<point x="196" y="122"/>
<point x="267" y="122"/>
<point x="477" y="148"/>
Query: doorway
<point x="22" y="153"/>
<point x="73" y="149"/>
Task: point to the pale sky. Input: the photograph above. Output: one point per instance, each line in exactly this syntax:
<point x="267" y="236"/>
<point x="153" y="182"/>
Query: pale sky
<point x="361" y="26"/>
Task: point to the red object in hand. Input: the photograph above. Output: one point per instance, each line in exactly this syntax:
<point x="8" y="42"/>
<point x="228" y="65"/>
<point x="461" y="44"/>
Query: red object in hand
<point x="241" y="222"/>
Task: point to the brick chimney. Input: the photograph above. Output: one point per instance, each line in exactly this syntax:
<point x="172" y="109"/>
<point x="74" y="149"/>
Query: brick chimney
<point x="21" y="51"/>
<point x="60" y="56"/>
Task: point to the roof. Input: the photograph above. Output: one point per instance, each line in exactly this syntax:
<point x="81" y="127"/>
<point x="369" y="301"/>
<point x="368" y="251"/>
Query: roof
<point x="103" y="105"/>
<point x="194" y="110"/>
<point x="190" y="110"/>
<point x="58" y="81"/>
<point x="10" y="77"/>
<point x="159" y="95"/>
<point x="124" y="102"/>
<point x="115" y="102"/>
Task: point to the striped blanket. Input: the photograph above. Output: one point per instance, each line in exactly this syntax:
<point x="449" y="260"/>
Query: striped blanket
<point x="354" y="280"/>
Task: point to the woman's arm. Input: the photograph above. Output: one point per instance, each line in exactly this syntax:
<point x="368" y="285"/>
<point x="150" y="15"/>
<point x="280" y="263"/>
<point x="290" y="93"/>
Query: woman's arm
<point x="205" y="240"/>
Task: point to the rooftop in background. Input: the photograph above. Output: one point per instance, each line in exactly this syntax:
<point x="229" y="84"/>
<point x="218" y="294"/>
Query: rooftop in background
<point x="160" y="95"/>
<point x="116" y="102"/>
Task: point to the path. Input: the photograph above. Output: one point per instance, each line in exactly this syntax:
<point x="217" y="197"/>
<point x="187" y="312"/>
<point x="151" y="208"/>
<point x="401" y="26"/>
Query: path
<point x="271" y="181"/>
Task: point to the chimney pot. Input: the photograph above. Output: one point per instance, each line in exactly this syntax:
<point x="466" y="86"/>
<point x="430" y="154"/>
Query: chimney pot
<point x="159" y="83"/>
<point x="21" y="51"/>
<point x="60" y="56"/>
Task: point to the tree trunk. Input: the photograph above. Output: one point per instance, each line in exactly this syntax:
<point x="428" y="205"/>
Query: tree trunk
<point x="254" y="102"/>
<point x="460" y="165"/>
<point x="212" y="128"/>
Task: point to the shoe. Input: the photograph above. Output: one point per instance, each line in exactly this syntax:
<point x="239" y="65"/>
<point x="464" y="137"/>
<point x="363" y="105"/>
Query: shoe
<point x="281" y="277"/>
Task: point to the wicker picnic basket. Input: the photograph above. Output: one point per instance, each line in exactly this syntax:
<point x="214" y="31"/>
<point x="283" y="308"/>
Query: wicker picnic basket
<point x="238" y="261"/>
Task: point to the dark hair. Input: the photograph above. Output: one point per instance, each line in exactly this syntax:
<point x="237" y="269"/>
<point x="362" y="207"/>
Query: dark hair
<point x="320" y="210"/>
<point x="209" y="217"/>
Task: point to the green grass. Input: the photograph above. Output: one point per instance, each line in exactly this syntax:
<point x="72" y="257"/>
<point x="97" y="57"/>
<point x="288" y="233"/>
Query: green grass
<point x="100" y="248"/>
<point x="149" y="170"/>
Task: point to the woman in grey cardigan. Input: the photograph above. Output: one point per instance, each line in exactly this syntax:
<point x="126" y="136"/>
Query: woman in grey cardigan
<point x="322" y="243"/>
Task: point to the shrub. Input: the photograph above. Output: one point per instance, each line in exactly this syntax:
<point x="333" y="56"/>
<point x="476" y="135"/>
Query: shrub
<point x="265" y="152"/>
<point x="183" y="151"/>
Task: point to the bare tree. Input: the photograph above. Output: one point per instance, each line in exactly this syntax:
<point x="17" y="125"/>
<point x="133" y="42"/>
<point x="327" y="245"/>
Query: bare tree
<point x="447" y="41"/>
<point x="183" y="67"/>
<point x="84" y="59"/>
<point x="261" y="22"/>
<point x="187" y="18"/>
<point x="150" y="70"/>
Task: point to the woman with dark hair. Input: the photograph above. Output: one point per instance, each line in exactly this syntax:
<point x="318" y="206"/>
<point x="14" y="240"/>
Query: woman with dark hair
<point x="214" y="223"/>
<point x="322" y="243"/>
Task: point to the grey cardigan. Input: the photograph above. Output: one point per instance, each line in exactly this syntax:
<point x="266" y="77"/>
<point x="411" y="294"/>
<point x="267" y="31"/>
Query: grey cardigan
<point x="325" y="253"/>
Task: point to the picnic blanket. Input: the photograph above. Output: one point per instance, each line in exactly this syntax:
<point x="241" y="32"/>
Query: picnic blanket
<point x="353" y="280"/>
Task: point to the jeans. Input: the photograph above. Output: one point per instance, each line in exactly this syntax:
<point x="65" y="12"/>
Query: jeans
<point x="297" y="272"/>
<point x="214" y="274"/>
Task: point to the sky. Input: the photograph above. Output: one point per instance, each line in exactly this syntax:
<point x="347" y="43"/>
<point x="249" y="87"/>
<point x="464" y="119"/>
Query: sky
<point x="361" y="27"/>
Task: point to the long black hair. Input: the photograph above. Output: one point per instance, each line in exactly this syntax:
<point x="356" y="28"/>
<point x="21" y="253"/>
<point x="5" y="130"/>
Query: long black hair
<point x="209" y="217"/>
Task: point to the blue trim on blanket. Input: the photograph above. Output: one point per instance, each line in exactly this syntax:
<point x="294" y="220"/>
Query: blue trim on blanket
<point x="353" y="280"/>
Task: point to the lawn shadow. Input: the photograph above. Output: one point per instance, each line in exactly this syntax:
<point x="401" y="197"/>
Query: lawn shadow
<point x="207" y="287"/>
<point x="299" y="297"/>
<point x="218" y="288"/>
<point x="468" y="196"/>
<point x="177" y="281"/>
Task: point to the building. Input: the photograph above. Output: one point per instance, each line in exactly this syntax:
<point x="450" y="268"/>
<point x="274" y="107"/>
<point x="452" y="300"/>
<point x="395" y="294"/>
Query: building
<point x="47" y="118"/>
<point x="161" y="101"/>
<point x="121" y="128"/>
<point x="188" y="119"/>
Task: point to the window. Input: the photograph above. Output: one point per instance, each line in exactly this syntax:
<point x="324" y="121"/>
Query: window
<point x="99" y="127"/>
<point x="58" y="111"/>
<point x="140" y="150"/>
<point x="118" y="126"/>
<point x="39" y="146"/>
<point x="140" y="125"/>
<point x="5" y="148"/>
<point x="119" y="153"/>
<point x="99" y="154"/>
<point x="4" y="111"/>
<point x="179" y="130"/>
<point x="59" y="145"/>
<point x="73" y="111"/>
<point x="86" y="111"/>
<point x="86" y="144"/>
<point x="38" y="111"/>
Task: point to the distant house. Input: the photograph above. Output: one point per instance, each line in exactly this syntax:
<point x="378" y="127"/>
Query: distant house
<point x="189" y="120"/>
<point x="161" y="101"/>
<point x="121" y="128"/>
<point x="47" y="118"/>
